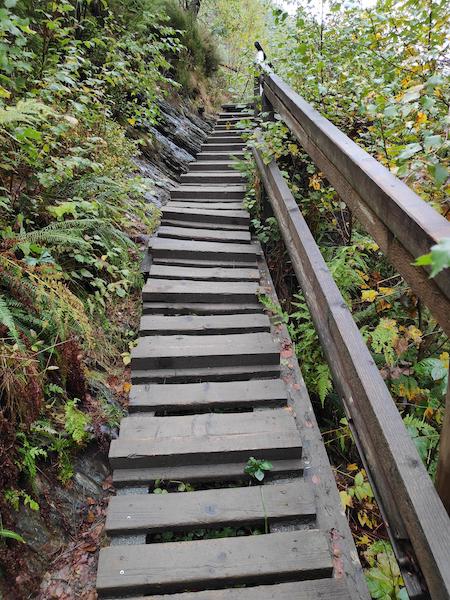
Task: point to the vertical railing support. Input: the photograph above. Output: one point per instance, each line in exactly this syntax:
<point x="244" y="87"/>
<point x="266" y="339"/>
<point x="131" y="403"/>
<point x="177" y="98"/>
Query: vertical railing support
<point x="443" y="469"/>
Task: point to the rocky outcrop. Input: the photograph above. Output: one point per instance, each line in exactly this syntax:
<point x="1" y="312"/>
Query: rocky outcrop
<point x="169" y="146"/>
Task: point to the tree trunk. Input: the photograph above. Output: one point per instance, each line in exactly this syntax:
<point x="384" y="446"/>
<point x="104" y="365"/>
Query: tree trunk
<point x="192" y="6"/>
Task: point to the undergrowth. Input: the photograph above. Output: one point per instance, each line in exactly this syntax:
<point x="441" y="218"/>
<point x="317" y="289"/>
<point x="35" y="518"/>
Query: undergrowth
<point x="74" y="78"/>
<point x="407" y="345"/>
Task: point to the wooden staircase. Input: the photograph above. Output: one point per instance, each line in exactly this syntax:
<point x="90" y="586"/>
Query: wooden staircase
<point x="209" y="392"/>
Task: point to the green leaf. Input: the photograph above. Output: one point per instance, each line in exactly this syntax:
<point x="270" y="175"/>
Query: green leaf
<point x="439" y="172"/>
<point x="409" y="151"/>
<point x="10" y="3"/>
<point x="432" y="141"/>
<point x="440" y="256"/>
<point x="12" y="535"/>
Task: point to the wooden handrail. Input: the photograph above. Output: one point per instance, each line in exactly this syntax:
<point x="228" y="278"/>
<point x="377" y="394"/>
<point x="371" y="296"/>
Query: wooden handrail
<point x="405" y="227"/>
<point x="412" y="509"/>
<point x="402" y="224"/>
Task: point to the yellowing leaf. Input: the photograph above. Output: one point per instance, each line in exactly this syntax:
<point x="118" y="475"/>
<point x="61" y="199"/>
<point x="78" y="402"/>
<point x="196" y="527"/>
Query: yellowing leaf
<point x="386" y="291"/>
<point x="369" y="295"/>
<point x="364" y="519"/>
<point x="346" y="499"/>
<point x="352" y="467"/>
<point x="314" y="182"/>
<point x="428" y="413"/>
<point x="383" y="305"/>
<point x="414" y="334"/>
<point x="132" y="121"/>
<point x="445" y="358"/>
<point x="421" y="118"/>
<point x="4" y="93"/>
<point x="364" y="540"/>
<point x="126" y="387"/>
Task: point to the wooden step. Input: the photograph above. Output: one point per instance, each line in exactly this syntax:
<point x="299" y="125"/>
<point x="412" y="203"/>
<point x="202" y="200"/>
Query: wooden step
<point x="204" y="235"/>
<point x="199" y="308"/>
<point x="237" y="106"/>
<point x="319" y="589"/>
<point x="218" y="472"/>
<point x="209" y="191"/>
<point x="225" y="203"/>
<point x="171" y="375"/>
<point x="203" y="225"/>
<point x="203" y="324"/>
<point x="189" y="351"/>
<point x="203" y="564"/>
<point x="191" y="262"/>
<point x="235" y="507"/>
<point x="232" y="131"/>
<point x="228" y="134"/>
<point x="235" y="118"/>
<point x="230" y="217"/>
<point x="218" y="205"/>
<point x="172" y="248"/>
<point x="222" y="177"/>
<point x="223" y="147"/>
<point x="205" y="439"/>
<point x="212" y="165"/>
<point x="204" y="273"/>
<point x="223" y="138"/>
<point x="204" y="156"/>
<point x="196" y="396"/>
<point x="167" y="290"/>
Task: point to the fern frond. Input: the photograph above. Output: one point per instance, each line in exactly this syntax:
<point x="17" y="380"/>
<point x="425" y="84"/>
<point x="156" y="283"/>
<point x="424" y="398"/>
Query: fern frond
<point x="25" y="111"/>
<point x="7" y="319"/>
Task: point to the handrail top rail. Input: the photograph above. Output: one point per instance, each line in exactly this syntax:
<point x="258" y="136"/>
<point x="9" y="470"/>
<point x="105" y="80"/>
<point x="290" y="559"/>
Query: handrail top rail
<point x="408" y="200"/>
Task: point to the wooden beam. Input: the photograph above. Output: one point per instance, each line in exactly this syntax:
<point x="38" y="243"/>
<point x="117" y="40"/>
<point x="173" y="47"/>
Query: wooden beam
<point x="443" y="469"/>
<point x="409" y="499"/>
<point x="402" y="224"/>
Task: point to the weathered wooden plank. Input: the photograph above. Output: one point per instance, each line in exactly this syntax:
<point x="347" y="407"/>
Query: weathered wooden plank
<point x="210" y="508"/>
<point x="321" y="589"/>
<point x="216" y="177"/>
<point x="203" y="324"/>
<point x="210" y="205"/>
<point x="236" y="394"/>
<point x="203" y="225"/>
<point x="199" y="308"/>
<point x="171" y="248"/>
<point x="207" y="373"/>
<point x="204" y="439"/>
<point x="414" y="510"/>
<point x="190" y="351"/>
<point x="199" y="263"/>
<point x="226" y="136"/>
<point x="411" y="226"/>
<point x="205" y="156"/>
<point x="208" y="191"/>
<point x="230" y="148"/>
<point x="192" y="429"/>
<point x="204" y="273"/>
<point x="162" y="290"/>
<point x="227" y="202"/>
<point x="275" y="557"/>
<point x="240" y="217"/>
<point x="443" y="468"/>
<point x="212" y="165"/>
<point x="222" y="472"/>
<point x="204" y="235"/>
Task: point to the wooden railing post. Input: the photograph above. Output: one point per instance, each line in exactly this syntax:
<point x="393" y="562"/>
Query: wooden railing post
<point x="443" y="469"/>
<point x="256" y="92"/>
